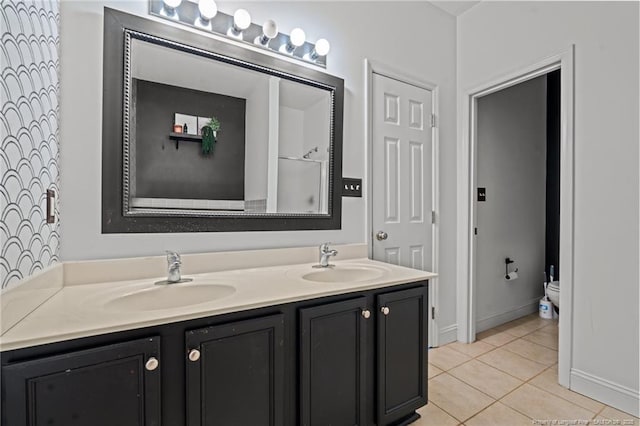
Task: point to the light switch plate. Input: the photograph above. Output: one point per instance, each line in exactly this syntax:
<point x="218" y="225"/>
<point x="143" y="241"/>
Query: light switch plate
<point x="482" y="194"/>
<point x="351" y="187"/>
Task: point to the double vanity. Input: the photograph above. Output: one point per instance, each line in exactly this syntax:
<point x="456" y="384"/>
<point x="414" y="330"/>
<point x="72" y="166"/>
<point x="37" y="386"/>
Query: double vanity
<point x="249" y="341"/>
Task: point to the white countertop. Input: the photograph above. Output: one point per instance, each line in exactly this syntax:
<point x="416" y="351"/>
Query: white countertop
<point x="76" y="311"/>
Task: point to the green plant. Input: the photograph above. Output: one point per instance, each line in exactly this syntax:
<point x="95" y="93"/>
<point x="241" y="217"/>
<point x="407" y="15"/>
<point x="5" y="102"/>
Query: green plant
<point x="214" y="123"/>
<point x="209" y="135"/>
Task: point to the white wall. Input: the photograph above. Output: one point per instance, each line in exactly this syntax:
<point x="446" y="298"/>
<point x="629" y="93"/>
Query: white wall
<point x="496" y="38"/>
<point x="291" y="132"/>
<point x="256" y="149"/>
<point x="356" y="31"/>
<point x="511" y="165"/>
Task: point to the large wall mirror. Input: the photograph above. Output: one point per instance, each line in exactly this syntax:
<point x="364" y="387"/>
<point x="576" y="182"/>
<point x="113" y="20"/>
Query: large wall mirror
<point x="201" y="135"/>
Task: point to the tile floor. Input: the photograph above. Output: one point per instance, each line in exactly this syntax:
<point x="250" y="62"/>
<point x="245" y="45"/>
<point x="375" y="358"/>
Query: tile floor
<point x="508" y="377"/>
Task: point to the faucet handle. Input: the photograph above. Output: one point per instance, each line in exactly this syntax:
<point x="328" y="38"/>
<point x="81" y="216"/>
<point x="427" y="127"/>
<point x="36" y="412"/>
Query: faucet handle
<point x="173" y="257"/>
<point x="324" y="246"/>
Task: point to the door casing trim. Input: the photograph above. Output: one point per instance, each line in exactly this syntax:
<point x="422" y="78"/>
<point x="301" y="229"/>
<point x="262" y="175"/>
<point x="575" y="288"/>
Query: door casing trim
<point x="465" y="257"/>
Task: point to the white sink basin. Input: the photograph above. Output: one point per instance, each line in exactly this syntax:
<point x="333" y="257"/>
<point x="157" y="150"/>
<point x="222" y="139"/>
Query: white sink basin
<point x="158" y="297"/>
<point x="344" y="274"/>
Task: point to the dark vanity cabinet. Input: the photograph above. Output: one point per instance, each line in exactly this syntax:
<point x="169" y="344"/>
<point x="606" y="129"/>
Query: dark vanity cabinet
<point x="336" y="345"/>
<point x="350" y="359"/>
<point x="333" y="356"/>
<point x="401" y="344"/>
<point x="111" y="385"/>
<point x="235" y="373"/>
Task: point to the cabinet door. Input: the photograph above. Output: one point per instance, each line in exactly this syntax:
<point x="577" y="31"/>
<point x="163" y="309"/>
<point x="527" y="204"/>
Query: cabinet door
<point x="235" y="373"/>
<point x="401" y="353"/>
<point x="332" y="364"/>
<point x="105" y="386"/>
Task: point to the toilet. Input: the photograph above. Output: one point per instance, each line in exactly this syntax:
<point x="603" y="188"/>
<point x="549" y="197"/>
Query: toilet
<point x="553" y="293"/>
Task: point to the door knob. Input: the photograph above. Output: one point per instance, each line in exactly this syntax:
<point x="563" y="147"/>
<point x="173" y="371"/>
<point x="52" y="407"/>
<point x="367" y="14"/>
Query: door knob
<point x="381" y="235"/>
<point x="194" y="355"/>
<point x="366" y="313"/>
<point x="385" y="310"/>
<point x="151" y="364"/>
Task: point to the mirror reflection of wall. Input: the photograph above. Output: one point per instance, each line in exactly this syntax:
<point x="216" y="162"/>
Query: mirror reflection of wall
<point x="273" y="147"/>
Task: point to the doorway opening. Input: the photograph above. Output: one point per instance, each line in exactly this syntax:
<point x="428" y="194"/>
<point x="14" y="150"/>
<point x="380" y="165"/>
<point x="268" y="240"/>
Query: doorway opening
<point x="517" y="203"/>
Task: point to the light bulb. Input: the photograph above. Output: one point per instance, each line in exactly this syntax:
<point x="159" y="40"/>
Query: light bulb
<point x="172" y="3"/>
<point x="297" y="37"/>
<point x="207" y="8"/>
<point x="269" y="31"/>
<point x="322" y="47"/>
<point x="169" y="8"/>
<point x="241" y="19"/>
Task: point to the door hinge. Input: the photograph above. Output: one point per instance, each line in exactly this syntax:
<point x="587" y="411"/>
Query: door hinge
<point x="475" y="231"/>
<point x="433" y="120"/>
<point x="433" y="312"/>
<point x="433" y="216"/>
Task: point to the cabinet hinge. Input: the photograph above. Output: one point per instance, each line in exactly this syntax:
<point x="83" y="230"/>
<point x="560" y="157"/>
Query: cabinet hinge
<point x="433" y="120"/>
<point x="433" y="312"/>
<point x="433" y="216"/>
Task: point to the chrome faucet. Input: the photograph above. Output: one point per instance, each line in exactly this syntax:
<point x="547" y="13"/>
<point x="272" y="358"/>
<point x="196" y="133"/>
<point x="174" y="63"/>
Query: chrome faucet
<point x="173" y="269"/>
<point x="325" y="254"/>
<point x="174" y="262"/>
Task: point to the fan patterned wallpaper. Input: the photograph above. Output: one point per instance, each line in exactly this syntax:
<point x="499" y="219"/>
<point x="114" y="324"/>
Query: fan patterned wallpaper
<point x="29" y="91"/>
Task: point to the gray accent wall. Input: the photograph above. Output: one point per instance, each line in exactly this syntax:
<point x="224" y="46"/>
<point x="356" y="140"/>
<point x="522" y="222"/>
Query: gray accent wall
<point x="511" y="165"/>
<point x="29" y="95"/>
<point x="161" y="170"/>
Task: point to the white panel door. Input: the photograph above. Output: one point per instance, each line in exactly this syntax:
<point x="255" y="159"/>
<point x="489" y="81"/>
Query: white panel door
<point x="401" y="175"/>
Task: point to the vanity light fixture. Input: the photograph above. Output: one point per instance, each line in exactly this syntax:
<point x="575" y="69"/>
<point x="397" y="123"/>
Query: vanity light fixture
<point x="169" y="8"/>
<point x="241" y="21"/>
<point x="207" y="9"/>
<point x="269" y="31"/>
<point x="296" y="39"/>
<point x="321" y="48"/>
<point x="204" y="15"/>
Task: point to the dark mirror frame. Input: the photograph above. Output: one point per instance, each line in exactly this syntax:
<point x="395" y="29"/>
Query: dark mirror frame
<point x="113" y="218"/>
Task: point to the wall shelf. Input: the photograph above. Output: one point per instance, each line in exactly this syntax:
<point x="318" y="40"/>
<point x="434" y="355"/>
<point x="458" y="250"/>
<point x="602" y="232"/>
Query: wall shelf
<point x="184" y="137"/>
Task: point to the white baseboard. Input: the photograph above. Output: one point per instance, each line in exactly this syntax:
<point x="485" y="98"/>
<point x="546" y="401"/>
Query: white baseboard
<point x="510" y="315"/>
<point x="605" y="391"/>
<point x="448" y="334"/>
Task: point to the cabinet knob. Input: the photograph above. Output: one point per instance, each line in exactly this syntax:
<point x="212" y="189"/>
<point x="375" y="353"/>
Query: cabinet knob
<point x="151" y="364"/>
<point x="385" y="310"/>
<point x="194" y="355"/>
<point x="366" y="313"/>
